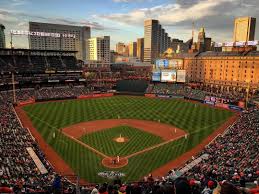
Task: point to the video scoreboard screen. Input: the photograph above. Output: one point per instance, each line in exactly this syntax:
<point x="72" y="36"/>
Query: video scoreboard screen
<point x="162" y="64"/>
<point x="156" y="76"/>
<point x="168" y="76"/>
<point x="169" y="64"/>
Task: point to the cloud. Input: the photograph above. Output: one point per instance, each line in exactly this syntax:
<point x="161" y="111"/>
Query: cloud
<point x="129" y="1"/>
<point x="217" y="16"/>
<point x="15" y="3"/>
<point x="170" y="13"/>
<point x="7" y="17"/>
<point x="13" y="16"/>
<point x="121" y="1"/>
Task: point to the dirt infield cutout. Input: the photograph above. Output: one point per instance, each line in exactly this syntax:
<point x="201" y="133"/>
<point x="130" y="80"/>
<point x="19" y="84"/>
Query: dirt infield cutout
<point x="121" y="139"/>
<point x="113" y="162"/>
<point x="167" y="132"/>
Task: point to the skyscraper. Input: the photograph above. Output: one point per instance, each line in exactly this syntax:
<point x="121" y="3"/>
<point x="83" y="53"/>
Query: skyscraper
<point x="140" y="49"/>
<point x="204" y="43"/>
<point x="99" y="49"/>
<point x="155" y="40"/>
<point x="132" y="49"/>
<point x="2" y="36"/>
<point x="121" y="49"/>
<point x="162" y="41"/>
<point x="79" y="43"/>
<point x="244" y="29"/>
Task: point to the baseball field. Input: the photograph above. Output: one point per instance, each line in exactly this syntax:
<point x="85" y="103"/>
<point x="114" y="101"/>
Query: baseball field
<point x="154" y="131"/>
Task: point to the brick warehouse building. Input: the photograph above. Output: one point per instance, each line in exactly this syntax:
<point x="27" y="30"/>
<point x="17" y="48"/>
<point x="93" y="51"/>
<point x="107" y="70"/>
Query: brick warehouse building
<point x="223" y="70"/>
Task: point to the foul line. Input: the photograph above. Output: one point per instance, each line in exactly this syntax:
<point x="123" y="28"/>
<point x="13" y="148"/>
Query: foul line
<point x="102" y="154"/>
<point x="129" y="156"/>
<point x="71" y="137"/>
<point x="87" y="146"/>
<point x="155" y="146"/>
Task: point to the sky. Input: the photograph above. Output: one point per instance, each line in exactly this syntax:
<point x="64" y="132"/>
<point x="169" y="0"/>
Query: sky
<point x="123" y="19"/>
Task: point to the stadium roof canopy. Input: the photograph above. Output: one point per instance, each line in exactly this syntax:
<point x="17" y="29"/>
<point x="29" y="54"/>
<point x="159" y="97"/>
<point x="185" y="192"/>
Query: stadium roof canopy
<point x="36" y="50"/>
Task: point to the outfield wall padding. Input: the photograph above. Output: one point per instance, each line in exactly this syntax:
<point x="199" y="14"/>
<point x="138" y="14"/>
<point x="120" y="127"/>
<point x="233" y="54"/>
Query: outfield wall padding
<point x="50" y="99"/>
<point x="136" y="86"/>
<point x="95" y="96"/>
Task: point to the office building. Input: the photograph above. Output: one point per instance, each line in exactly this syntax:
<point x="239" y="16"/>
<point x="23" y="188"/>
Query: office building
<point x="221" y="70"/>
<point x="162" y="40"/>
<point x="140" y="48"/>
<point x="233" y="70"/>
<point x="77" y="43"/>
<point x="133" y="49"/>
<point x="166" y="42"/>
<point x="179" y="46"/>
<point x="156" y="40"/>
<point x="244" y="29"/>
<point x="204" y="43"/>
<point x="113" y="56"/>
<point x="2" y="36"/>
<point x="99" y="49"/>
<point x="122" y="49"/>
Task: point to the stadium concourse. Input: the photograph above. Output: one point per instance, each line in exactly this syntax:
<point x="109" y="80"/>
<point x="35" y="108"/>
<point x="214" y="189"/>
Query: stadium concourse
<point x="232" y="158"/>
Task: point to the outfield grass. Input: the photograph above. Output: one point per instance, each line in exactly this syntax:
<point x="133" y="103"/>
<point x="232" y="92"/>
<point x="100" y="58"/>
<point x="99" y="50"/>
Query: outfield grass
<point x="198" y="120"/>
<point x="103" y="140"/>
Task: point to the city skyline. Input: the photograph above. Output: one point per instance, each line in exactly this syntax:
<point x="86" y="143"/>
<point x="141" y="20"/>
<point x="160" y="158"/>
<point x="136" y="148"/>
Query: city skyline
<point x="123" y="20"/>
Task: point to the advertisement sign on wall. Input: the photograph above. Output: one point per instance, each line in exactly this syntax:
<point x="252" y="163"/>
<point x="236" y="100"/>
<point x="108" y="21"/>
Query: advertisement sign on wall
<point x="181" y="75"/>
<point x="209" y="102"/>
<point x="156" y="76"/>
<point x="176" y="64"/>
<point x="233" y="107"/>
<point x="168" y="76"/>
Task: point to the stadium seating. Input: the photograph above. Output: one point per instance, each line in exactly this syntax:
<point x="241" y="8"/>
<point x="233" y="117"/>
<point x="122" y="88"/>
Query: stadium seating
<point x="18" y="172"/>
<point x="54" y="62"/>
<point x="38" y="62"/>
<point x="6" y="63"/>
<point x="234" y="155"/>
<point x="194" y="93"/>
<point x="70" y="62"/>
<point x="35" y="63"/>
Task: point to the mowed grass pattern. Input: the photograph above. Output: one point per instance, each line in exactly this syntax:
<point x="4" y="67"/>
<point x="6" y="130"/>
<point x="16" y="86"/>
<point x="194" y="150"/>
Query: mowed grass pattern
<point x="198" y="120"/>
<point x="103" y="140"/>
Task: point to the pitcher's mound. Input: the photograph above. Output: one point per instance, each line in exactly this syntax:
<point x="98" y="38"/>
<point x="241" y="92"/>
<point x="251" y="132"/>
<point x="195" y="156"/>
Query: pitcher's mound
<point x="121" y="139"/>
<point x="113" y="162"/>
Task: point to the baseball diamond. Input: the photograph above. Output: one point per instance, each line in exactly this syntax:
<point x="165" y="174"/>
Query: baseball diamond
<point x="158" y="132"/>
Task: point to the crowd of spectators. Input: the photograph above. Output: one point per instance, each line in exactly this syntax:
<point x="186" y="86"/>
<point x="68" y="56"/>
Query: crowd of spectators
<point x="180" y="185"/>
<point x="232" y="157"/>
<point x="61" y="92"/>
<point x="225" y="93"/>
<point x="177" y="90"/>
<point x="197" y="93"/>
<point x="18" y="172"/>
<point x="58" y="92"/>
